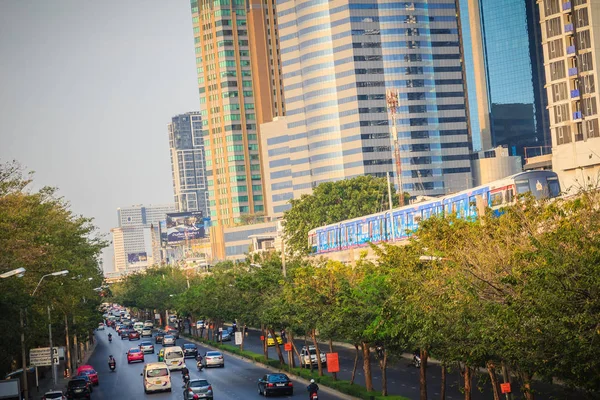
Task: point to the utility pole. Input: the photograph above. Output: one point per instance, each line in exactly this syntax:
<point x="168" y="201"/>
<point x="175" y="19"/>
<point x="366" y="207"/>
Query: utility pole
<point x="24" y="357"/>
<point x="392" y="105"/>
<point x="391" y="207"/>
<point x="68" y="360"/>
<point x="51" y="348"/>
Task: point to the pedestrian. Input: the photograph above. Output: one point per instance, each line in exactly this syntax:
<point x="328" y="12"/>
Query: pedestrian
<point x="282" y="334"/>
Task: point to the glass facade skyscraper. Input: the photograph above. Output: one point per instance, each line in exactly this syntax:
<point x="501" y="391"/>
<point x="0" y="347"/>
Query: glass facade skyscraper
<point x="512" y="73"/>
<point x="338" y="60"/>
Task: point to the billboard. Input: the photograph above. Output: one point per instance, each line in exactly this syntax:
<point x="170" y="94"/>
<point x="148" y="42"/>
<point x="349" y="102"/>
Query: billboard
<point x="133" y="258"/>
<point x="184" y="226"/>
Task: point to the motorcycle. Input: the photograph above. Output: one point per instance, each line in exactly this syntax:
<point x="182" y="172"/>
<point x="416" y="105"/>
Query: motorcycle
<point x="110" y="339"/>
<point x="199" y="364"/>
<point x="112" y="366"/>
<point x="416" y="361"/>
<point x="186" y="379"/>
<point x="314" y="396"/>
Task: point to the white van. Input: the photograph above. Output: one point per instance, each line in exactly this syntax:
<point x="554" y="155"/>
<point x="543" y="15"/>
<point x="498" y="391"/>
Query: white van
<point x="174" y="357"/>
<point x="156" y="377"/>
<point x="138" y="326"/>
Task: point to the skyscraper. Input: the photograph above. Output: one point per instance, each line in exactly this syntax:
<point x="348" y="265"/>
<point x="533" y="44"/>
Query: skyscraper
<point x="237" y="59"/>
<point x="571" y="65"/>
<point x="187" y="163"/>
<point x="505" y="79"/>
<point x="339" y="58"/>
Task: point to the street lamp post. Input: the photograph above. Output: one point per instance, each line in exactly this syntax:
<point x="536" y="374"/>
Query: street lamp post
<point x="58" y="273"/>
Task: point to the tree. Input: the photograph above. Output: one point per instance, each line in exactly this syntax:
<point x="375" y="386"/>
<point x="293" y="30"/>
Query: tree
<point x="332" y="202"/>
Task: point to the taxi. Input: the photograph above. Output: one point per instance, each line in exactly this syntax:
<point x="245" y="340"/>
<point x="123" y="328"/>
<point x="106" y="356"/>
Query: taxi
<point x="271" y="341"/>
<point x="156" y="377"/>
<point x="161" y="355"/>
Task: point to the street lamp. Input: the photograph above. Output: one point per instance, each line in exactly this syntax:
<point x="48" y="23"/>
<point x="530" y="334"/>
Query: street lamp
<point x="19" y="272"/>
<point x="59" y="273"/>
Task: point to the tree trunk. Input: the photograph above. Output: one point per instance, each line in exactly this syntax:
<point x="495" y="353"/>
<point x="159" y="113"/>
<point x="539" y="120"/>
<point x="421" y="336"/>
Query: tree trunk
<point x="466" y="373"/>
<point x="367" y="366"/>
<point x="243" y="329"/>
<point x="291" y="340"/>
<point x="355" y="364"/>
<point x="423" y="374"/>
<point x="306" y="346"/>
<point x="493" y="379"/>
<point x="263" y="333"/>
<point x="68" y="348"/>
<point x="443" y="383"/>
<point x="383" y="366"/>
<point x="526" y="378"/>
<point x="318" y="355"/>
<point x="506" y="378"/>
<point x="331" y="351"/>
<point x="277" y="348"/>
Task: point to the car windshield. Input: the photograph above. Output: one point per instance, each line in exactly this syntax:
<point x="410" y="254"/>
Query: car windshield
<point x="213" y="354"/>
<point x="77" y="383"/>
<point x="145" y="344"/>
<point x="154" y="373"/>
<point x="88" y="372"/>
<point x="168" y="336"/>
<point x="277" y="378"/>
<point x="134" y="350"/>
<point x="55" y="395"/>
<point x="174" y="354"/>
<point x="199" y="383"/>
<point x="189" y="346"/>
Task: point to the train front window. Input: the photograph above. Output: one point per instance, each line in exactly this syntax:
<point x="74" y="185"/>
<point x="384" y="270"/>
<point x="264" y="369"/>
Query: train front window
<point x="522" y="186"/>
<point x="553" y="187"/>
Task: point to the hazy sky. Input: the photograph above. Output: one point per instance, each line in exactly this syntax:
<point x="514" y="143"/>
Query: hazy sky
<point x="87" y="89"/>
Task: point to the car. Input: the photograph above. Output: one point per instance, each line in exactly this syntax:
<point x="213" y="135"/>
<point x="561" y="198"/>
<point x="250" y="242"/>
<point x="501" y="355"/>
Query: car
<point x="135" y="354"/>
<point x="306" y="360"/>
<point x="134" y="335"/>
<point x="213" y="359"/>
<point x="275" y="384"/>
<point x="156" y="377"/>
<point x="88" y="381"/>
<point x="159" y="337"/>
<point x="146" y="332"/>
<point x="146" y="347"/>
<point x="124" y="333"/>
<point x="173" y="332"/>
<point x="271" y="341"/>
<point x="168" y="340"/>
<point x="101" y="326"/>
<point x="200" y="324"/>
<point x="89" y="371"/>
<point x="161" y="355"/>
<point x="54" y="395"/>
<point x="148" y="324"/>
<point x="198" y="389"/>
<point x="190" y="350"/>
<point x="172" y="318"/>
<point x="227" y="336"/>
<point x="78" y="389"/>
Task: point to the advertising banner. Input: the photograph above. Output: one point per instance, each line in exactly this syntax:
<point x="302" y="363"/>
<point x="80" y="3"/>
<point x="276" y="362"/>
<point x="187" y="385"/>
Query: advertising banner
<point x="184" y="226"/>
<point x="133" y="258"/>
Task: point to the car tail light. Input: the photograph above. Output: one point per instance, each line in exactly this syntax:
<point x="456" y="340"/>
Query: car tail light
<point x="290" y="384"/>
<point x="196" y="397"/>
<point x="270" y="385"/>
<point x="209" y="388"/>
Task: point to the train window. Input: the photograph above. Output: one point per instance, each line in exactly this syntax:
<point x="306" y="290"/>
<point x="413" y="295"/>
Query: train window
<point x="522" y="186"/>
<point x="472" y="206"/>
<point x="553" y="187"/>
<point x="440" y="211"/>
<point x="509" y="194"/>
<point x="496" y="199"/>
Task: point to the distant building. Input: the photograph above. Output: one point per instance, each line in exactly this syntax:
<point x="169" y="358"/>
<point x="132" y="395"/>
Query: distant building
<point x="505" y="78"/>
<point x="188" y="165"/>
<point x="133" y="244"/>
<point x="570" y="36"/>
<point x="494" y="164"/>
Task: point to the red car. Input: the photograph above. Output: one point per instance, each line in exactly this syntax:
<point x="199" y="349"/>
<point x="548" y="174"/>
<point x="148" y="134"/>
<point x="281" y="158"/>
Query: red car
<point x="134" y="335"/>
<point x="135" y="354"/>
<point x="89" y="371"/>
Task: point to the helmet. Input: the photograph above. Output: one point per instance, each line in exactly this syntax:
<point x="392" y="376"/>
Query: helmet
<point x="312" y="381"/>
<point x="110" y="356"/>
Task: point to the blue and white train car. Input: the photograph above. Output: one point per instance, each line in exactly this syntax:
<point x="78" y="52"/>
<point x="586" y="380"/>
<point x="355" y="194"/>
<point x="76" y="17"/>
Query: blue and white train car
<point x="400" y="223"/>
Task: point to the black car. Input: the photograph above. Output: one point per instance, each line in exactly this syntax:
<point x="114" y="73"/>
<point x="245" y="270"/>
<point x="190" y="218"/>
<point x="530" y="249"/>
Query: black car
<point x="78" y="389"/>
<point x="124" y="333"/>
<point x="159" y="337"/>
<point x="275" y="384"/>
<point x="87" y="379"/>
<point x="190" y="350"/>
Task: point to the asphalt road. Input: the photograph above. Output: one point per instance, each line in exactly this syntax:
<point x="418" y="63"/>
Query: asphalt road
<point x="236" y="381"/>
<point x="403" y="378"/>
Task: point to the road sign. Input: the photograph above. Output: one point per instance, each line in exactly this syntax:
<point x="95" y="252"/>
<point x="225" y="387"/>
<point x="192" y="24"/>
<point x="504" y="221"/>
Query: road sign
<point x="238" y="338"/>
<point x="287" y="347"/>
<point x="333" y="362"/>
<point x="505" y="387"/>
<point x="40" y="357"/>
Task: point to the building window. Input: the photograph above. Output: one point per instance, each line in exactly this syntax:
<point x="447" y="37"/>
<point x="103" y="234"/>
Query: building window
<point x="583" y="40"/>
<point x="557" y="70"/>
<point x="581" y="18"/>
<point x="563" y="135"/>
<point x="555" y="49"/>
<point x="553" y="27"/>
<point x="559" y="92"/>
<point x="592" y="128"/>
<point x="588" y="84"/>
<point x="561" y="113"/>
<point x="552" y="7"/>
<point x="589" y="107"/>
<point x="585" y="62"/>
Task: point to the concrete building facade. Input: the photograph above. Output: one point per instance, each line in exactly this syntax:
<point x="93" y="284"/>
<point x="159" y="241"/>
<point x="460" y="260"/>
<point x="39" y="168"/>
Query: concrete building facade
<point x="239" y="82"/>
<point x="188" y="166"/>
<point x="571" y="43"/>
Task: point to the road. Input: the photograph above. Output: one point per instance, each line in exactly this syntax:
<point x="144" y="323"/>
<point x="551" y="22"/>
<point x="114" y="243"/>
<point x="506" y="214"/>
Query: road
<point x="403" y="378"/>
<point x="234" y="382"/>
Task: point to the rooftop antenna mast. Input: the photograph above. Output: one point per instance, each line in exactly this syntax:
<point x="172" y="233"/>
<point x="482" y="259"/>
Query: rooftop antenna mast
<point x="392" y="105"/>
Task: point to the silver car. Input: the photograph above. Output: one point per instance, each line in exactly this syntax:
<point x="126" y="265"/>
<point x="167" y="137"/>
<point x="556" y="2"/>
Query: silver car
<point x="168" y="340"/>
<point x="146" y="332"/>
<point x="147" y="347"/>
<point x="198" y="389"/>
<point x="214" y="359"/>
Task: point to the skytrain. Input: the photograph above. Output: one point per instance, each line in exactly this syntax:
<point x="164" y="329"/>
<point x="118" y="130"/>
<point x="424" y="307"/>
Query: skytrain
<point x="398" y="224"/>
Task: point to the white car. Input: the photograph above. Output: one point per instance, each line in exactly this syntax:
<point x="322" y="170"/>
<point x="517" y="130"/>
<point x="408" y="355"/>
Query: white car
<point x="200" y="324"/>
<point x="307" y="359"/>
<point x="148" y="324"/>
<point x="54" y="395"/>
<point x="146" y="332"/>
<point x="101" y="326"/>
<point x="147" y="347"/>
<point x="214" y="359"/>
<point x="168" y="340"/>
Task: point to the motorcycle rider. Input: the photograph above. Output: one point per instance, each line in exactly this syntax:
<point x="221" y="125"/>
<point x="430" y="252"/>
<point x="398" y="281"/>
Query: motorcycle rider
<point x="185" y="374"/>
<point x="112" y="363"/>
<point x="110" y="337"/>
<point x="199" y="362"/>
<point x="313" y="388"/>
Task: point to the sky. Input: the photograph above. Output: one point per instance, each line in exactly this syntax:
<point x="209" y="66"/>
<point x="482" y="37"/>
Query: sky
<point x="87" y="89"/>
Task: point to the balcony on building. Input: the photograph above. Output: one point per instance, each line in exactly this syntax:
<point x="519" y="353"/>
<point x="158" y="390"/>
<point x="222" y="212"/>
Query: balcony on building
<point x="571" y="50"/>
<point x="577" y="115"/>
<point x="574" y="93"/>
<point x="568" y="28"/>
<point x="572" y="71"/>
<point x="566" y="6"/>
